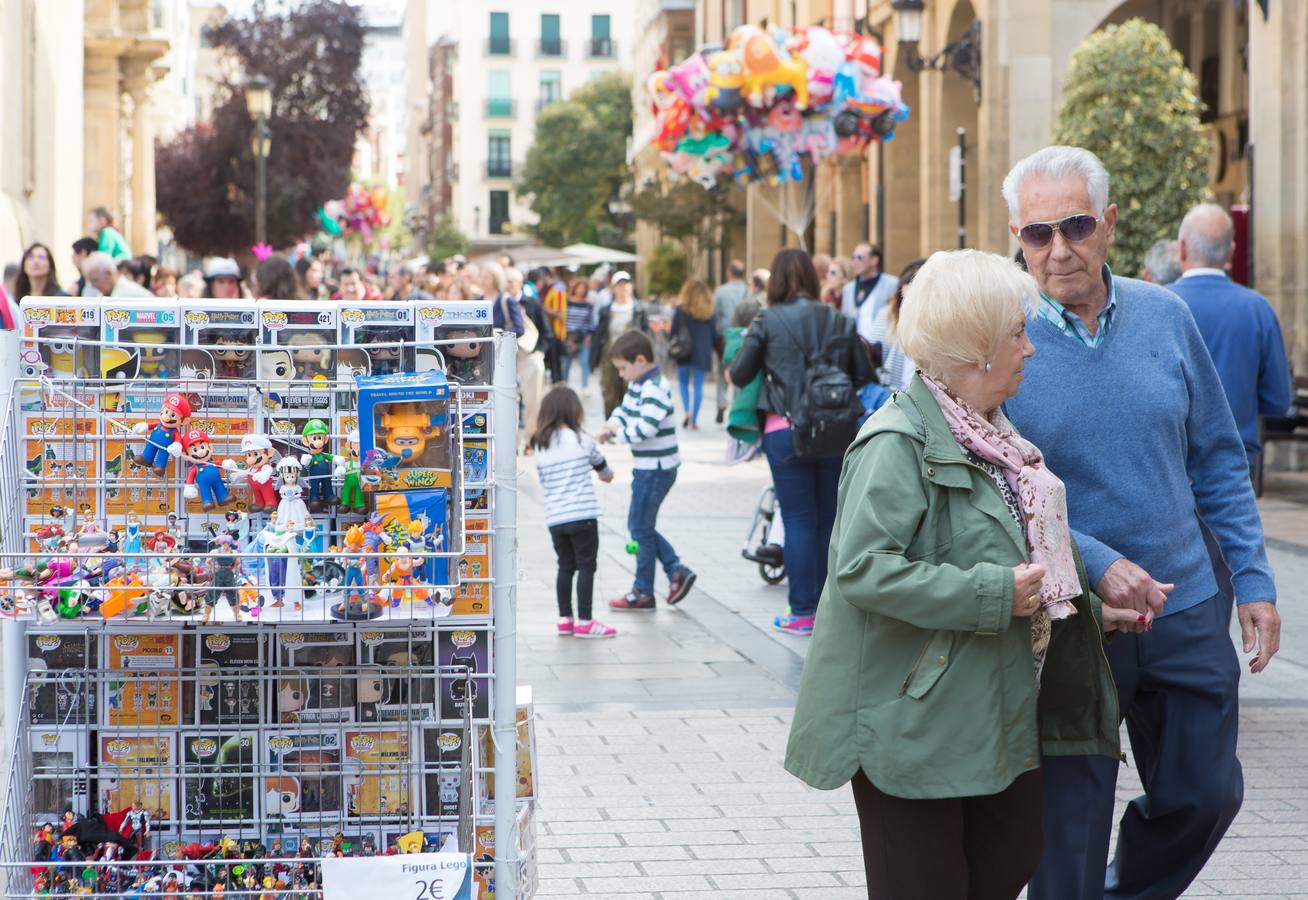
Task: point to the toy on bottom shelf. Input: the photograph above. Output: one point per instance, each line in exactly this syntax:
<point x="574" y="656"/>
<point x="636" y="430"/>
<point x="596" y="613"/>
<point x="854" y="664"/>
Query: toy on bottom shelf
<point x="205" y="478"/>
<point x="258" y="470"/>
<point x="403" y="431"/>
<point x="318" y="462"/>
<point x="351" y="498"/>
<point x="164" y="439"/>
<point x="226" y="569"/>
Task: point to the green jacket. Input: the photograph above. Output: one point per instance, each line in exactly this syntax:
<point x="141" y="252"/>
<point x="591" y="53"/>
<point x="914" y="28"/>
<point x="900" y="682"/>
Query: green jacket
<point x="917" y="672"/>
<point x="742" y="421"/>
<point x="113" y="243"/>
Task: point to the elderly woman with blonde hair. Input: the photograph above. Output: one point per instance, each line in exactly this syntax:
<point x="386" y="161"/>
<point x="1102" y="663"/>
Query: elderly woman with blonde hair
<point x="957" y="642"/>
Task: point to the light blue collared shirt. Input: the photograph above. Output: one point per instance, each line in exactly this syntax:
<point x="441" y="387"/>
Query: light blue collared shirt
<point x="1070" y="323"/>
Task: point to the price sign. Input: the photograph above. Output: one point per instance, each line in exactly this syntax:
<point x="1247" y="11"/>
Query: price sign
<point x="412" y="876"/>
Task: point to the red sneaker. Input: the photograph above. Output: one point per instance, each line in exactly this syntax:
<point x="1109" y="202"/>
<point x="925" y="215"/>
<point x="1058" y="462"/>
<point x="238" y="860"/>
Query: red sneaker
<point x="679" y="585"/>
<point x="632" y="600"/>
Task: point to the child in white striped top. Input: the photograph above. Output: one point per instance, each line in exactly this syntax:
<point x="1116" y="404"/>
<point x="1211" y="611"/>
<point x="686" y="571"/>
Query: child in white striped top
<point x="565" y="458"/>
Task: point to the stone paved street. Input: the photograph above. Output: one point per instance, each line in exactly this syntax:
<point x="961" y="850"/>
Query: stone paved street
<point x="660" y="750"/>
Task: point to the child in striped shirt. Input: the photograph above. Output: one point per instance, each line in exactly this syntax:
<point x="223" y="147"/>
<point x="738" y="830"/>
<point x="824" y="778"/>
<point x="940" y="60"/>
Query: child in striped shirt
<point x="645" y="420"/>
<point x="564" y="460"/>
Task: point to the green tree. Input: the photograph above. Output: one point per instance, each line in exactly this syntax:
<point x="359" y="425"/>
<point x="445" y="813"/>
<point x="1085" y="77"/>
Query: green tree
<point x="1131" y="100"/>
<point x="576" y="168"/>
<point x="446" y="238"/>
<point x="698" y="219"/>
<point x="667" y="269"/>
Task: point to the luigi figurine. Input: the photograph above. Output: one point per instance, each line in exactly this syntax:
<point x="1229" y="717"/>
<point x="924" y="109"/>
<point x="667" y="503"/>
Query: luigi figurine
<point x="351" y="485"/>
<point x="317" y="463"/>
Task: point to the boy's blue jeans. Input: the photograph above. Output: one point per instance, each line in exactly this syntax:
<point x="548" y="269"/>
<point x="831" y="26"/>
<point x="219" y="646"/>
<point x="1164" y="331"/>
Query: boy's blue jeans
<point x="648" y="488"/>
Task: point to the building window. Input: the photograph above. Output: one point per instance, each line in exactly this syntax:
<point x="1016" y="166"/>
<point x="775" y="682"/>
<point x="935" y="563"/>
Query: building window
<point x="499" y="211"/>
<point x="601" y="41"/>
<point x="551" y="87"/>
<point x="499" y="94"/>
<point x="499" y="157"/>
<point x="550" y="42"/>
<point x="499" y="44"/>
<point x="735" y="15"/>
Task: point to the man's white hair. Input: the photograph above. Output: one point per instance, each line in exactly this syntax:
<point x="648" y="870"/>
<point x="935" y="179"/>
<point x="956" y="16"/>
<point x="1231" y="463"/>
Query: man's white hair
<point x="1208" y="234"/>
<point x="97" y="264"/>
<point x="1055" y="163"/>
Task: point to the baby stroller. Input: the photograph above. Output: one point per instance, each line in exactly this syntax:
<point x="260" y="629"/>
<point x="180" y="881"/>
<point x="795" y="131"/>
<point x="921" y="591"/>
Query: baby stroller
<point x="765" y="539"/>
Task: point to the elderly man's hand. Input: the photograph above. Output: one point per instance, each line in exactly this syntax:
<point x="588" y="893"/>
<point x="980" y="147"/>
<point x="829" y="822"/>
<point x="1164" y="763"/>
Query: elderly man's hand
<point x="1260" y="626"/>
<point x="1127" y="586"/>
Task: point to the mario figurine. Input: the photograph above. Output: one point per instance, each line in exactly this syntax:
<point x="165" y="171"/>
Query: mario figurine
<point x="164" y="439"/>
<point x="259" y="454"/>
<point x="351" y="484"/>
<point x="318" y="462"/>
<point x="205" y="479"/>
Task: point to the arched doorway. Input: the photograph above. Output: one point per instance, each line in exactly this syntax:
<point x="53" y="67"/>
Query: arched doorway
<point x="958" y="109"/>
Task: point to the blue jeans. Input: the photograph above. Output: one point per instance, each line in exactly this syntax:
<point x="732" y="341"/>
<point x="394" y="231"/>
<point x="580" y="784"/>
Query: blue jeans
<point x="806" y="490"/>
<point x="582" y="356"/>
<point x="684" y="375"/>
<point x="648" y="489"/>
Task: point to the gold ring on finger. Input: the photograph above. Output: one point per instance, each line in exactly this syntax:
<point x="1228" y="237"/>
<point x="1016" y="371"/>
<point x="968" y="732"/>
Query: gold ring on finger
<point x="1032" y="601"/>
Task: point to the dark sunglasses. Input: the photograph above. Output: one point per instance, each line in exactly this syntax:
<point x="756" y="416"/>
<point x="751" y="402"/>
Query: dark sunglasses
<point x="1074" y="229"/>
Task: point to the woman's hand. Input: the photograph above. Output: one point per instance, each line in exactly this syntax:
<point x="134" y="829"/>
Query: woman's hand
<point x="1125" y="620"/>
<point x="1026" y="589"/>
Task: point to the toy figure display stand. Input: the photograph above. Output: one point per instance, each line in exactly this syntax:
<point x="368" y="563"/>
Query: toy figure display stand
<point x="510" y="851"/>
<point x="504" y="565"/>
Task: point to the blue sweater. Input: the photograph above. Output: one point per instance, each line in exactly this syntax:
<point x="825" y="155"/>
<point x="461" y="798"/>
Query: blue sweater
<point x="1141" y="433"/>
<point x="1243" y="336"/>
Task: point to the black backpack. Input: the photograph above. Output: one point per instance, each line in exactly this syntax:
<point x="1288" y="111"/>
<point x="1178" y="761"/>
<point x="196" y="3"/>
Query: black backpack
<point x="830" y="411"/>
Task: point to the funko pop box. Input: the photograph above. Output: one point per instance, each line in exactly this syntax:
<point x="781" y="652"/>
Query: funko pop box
<point x="404" y="433"/>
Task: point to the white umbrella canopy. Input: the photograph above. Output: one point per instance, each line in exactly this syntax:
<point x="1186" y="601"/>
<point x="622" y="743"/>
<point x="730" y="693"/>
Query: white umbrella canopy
<point x="593" y="254"/>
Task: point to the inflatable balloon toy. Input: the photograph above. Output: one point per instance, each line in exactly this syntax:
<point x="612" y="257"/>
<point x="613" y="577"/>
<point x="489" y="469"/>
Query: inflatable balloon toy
<point x="726" y="80"/>
<point x="823" y="55"/>
<point x="691" y="79"/>
<point x="766" y="67"/>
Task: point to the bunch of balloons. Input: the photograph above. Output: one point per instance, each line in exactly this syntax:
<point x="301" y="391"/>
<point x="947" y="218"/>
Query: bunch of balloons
<point x="359" y="212"/>
<point x="756" y="106"/>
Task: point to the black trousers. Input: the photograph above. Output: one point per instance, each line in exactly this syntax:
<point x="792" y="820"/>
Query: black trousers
<point x="576" y="544"/>
<point x="960" y="848"/>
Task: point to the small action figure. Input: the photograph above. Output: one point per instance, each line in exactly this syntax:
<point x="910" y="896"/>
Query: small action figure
<point x="463" y="360"/>
<point x="278" y="541"/>
<point x="232" y="354"/>
<point x="164" y="439"/>
<point x="259" y="454"/>
<point x="291" y="511"/>
<point x="352" y="484"/>
<point x="318" y="462"/>
<point x="226" y="566"/>
<point x="406" y="428"/>
<point x="205" y="479"/>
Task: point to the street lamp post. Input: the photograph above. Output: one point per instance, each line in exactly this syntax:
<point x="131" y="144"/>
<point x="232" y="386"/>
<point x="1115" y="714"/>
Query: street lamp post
<point x="258" y="100"/>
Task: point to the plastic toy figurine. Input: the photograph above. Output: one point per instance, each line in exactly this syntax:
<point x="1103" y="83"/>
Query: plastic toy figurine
<point x="205" y="478"/>
<point x="384" y="360"/>
<point x="358" y="603"/>
<point x="226" y="566"/>
<point x="463" y="360"/>
<point x="291" y="511"/>
<point x="407" y="429"/>
<point x="309" y="356"/>
<point x="258" y="469"/>
<point x="278" y="541"/>
<point x="164" y="439"/>
<point x="376" y="537"/>
<point x="132" y="541"/>
<point x="352" y="483"/>
<point x="318" y="463"/>
<point x="401" y="575"/>
<point x="232" y="355"/>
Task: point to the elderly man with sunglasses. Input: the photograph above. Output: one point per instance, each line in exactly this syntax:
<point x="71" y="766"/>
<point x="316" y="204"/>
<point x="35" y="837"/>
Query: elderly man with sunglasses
<point x="1126" y="404"/>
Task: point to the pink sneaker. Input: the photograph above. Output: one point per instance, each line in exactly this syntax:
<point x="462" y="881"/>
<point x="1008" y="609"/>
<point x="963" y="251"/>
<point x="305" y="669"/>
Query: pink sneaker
<point x="593" y="629"/>
<point x="565" y="627"/>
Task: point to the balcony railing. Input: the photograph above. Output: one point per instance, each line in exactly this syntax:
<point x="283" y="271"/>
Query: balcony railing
<point x="551" y="47"/>
<point x="499" y="168"/>
<point x="602" y="48"/>
<point x="501" y="108"/>
<point x="501" y="46"/>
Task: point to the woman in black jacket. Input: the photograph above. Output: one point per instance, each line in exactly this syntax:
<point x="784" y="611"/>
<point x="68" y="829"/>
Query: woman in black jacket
<point x="793" y="330"/>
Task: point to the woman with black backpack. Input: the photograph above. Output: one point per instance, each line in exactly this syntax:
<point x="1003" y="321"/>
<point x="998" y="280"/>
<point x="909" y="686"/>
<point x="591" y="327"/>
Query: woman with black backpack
<point x="813" y="364"/>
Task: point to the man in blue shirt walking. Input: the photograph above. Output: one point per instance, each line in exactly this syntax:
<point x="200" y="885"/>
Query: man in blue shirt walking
<point x="1123" y="400"/>
<point x="1238" y="325"/>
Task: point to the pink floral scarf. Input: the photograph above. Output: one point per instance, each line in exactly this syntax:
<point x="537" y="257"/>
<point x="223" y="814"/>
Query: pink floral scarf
<point x="1040" y="493"/>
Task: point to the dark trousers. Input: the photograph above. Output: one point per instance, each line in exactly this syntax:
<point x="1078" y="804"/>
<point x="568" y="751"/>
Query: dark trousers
<point x="806" y="490"/>
<point x="1178" y="689"/>
<point x="576" y="544"/>
<point x="961" y="848"/>
<point x="649" y="488"/>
